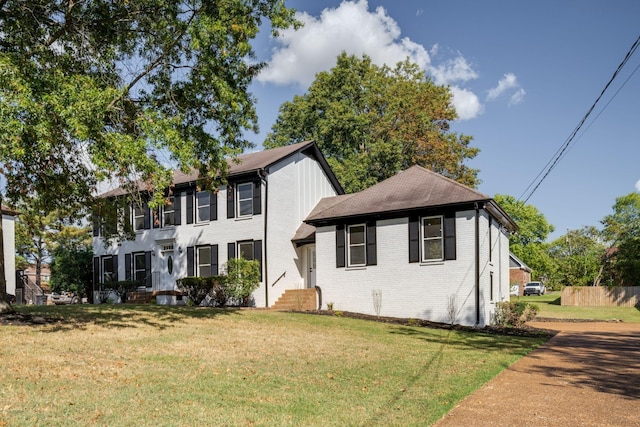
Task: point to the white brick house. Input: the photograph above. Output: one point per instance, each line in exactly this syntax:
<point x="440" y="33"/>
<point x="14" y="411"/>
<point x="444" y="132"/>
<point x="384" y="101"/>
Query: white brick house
<point x="8" y="231"/>
<point x="257" y="214"/>
<point x="428" y="246"/>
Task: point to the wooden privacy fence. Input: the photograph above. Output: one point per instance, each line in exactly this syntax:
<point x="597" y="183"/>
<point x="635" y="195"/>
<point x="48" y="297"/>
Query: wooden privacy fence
<point x="601" y="296"/>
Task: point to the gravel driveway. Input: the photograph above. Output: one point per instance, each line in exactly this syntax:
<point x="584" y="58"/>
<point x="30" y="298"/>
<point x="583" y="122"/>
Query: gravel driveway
<point x="587" y="375"/>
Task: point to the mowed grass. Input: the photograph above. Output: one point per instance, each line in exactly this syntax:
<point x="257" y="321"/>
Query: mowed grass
<point x="147" y="365"/>
<point x="550" y="307"/>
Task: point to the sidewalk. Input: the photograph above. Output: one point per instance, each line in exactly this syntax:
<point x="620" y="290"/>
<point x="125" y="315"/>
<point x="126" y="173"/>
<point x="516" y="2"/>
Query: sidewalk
<point x="587" y="375"/>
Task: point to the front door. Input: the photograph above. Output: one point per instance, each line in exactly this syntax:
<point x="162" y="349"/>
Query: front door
<point x="167" y="261"/>
<point x="311" y="267"/>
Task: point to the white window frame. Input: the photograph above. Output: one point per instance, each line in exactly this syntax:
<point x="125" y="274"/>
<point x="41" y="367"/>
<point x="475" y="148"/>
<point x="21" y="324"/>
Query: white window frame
<point x="249" y="243"/>
<point x="137" y="268"/>
<point x="138" y="214"/>
<point x="203" y="206"/>
<point x="203" y="262"/>
<point x="110" y="274"/>
<point x="424" y="239"/>
<point x="351" y="246"/>
<point x="169" y="209"/>
<point x="247" y="200"/>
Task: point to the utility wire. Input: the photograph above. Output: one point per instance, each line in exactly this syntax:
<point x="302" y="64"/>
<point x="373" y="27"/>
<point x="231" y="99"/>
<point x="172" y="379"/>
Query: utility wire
<point x="551" y="164"/>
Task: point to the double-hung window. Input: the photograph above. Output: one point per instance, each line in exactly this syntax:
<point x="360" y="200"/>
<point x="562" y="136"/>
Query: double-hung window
<point x="140" y="268"/>
<point x="356" y="241"/>
<point x="204" y="261"/>
<point x="245" y="199"/>
<point x="139" y="217"/>
<point x="203" y="201"/>
<point x="431" y="233"/>
<point x="107" y="269"/>
<point x="168" y="215"/>
<point x="245" y="250"/>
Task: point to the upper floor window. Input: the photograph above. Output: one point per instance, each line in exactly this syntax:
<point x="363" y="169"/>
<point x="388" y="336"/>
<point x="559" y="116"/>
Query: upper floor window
<point x="356" y="241"/>
<point x="245" y="199"/>
<point x="139" y="217"/>
<point x="203" y="202"/>
<point x="432" y="247"/>
<point x="169" y="211"/>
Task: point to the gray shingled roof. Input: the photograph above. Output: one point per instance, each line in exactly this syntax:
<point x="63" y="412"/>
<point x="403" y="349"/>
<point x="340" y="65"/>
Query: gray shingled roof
<point x="244" y="163"/>
<point x="414" y="188"/>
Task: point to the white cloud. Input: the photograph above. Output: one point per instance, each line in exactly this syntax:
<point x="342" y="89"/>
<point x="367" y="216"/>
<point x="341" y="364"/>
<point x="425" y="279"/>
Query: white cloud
<point x="467" y="104"/>
<point x="638" y="186"/>
<point x="509" y="81"/>
<point x="419" y="12"/>
<point x="453" y="70"/>
<point x="350" y="27"/>
<point x="517" y="97"/>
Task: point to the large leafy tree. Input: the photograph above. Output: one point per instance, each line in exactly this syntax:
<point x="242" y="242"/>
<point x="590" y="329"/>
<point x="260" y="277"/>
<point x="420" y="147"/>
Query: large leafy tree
<point x="72" y="253"/>
<point x="577" y="257"/>
<point x="622" y="233"/>
<point x="528" y="243"/>
<point x="126" y="90"/>
<point x="372" y="122"/>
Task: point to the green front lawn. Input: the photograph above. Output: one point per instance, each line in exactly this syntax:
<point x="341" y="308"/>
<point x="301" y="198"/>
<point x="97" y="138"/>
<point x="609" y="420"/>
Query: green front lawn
<point x="123" y="365"/>
<point x="550" y="307"/>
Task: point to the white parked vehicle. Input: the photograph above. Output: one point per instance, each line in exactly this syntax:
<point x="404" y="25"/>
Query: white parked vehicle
<point x="536" y="288"/>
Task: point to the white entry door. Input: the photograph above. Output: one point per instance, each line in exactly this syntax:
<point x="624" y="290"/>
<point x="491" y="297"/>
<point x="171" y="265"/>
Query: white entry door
<point x="167" y="266"/>
<point x="311" y="267"/>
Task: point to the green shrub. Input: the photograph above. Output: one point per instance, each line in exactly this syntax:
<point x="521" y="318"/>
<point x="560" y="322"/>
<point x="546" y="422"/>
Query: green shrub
<point x="515" y="313"/>
<point x="198" y="288"/>
<point x="243" y="277"/>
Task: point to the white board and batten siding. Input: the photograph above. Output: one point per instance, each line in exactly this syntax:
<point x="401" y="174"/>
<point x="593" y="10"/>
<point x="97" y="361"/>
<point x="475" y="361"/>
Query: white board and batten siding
<point x="296" y="184"/>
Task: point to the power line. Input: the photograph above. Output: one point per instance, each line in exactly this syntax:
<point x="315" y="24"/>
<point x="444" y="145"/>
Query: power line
<point x="551" y="164"/>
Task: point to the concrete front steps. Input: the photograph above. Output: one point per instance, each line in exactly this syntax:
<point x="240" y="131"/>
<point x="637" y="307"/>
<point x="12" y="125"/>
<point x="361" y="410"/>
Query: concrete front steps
<point x="297" y="300"/>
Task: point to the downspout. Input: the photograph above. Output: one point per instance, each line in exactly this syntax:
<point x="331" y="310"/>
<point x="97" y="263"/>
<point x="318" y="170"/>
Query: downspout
<point x="477" y="264"/>
<point x="263" y="177"/>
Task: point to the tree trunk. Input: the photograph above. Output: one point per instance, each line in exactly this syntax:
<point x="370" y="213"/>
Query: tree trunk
<point x="5" y="305"/>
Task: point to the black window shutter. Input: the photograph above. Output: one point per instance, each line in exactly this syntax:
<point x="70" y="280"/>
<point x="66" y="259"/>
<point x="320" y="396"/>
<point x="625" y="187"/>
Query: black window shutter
<point x="231" y="250"/>
<point x="230" y="200"/>
<point x="191" y="270"/>
<point x="114" y="260"/>
<point x="128" y="226"/>
<point x="147" y="268"/>
<point x="190" y="207"/>
<point x="372" y="255"/>
<point x="177" y="209"/>
<point x="340" y="249"/>
<point x="96" y="271"/>
<point x="257" y="197"/>
<point x="414" y="239"/>
<point x="257" y="254"/>
<point x="214" y="260"/>
<point x="147" y="216"/>
<point x="450" y="236"/>
<point x="213" y="206"/>
<point x="96" y="225"/>
<point x="127" y="266"/>
<point x="155" y="218"/>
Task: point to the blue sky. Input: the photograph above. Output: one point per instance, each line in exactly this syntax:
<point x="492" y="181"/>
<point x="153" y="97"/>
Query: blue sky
<point x="523" y="75"/>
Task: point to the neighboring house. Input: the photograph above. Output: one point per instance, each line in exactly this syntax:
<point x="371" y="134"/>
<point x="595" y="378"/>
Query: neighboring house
<point x="45" y="274"/>
<point x="429" y="247"/>
<point x="519" y="272"/>
<point x="8" y="230"/>
<point x="255" y="215"/>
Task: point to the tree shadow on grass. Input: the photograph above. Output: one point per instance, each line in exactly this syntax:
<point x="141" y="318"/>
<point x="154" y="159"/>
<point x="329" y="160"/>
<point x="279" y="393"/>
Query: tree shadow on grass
<point x="117" y="316"/>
